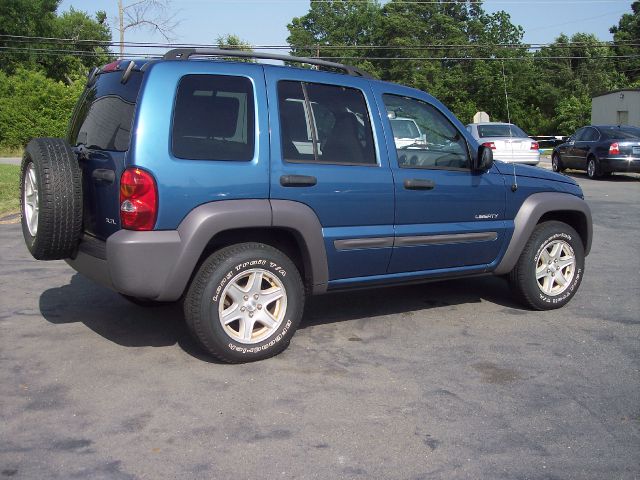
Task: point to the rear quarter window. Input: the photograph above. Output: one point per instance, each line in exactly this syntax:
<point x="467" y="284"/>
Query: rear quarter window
<point x="213" y="118"/>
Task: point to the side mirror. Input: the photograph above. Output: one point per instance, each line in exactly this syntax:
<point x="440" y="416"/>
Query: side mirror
<point x="484" y="159"/>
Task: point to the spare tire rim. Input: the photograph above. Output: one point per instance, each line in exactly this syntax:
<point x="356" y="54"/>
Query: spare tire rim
<point x="252" y="306"/>
<point x="555" y="267"/>
<point x="31" y="205"/>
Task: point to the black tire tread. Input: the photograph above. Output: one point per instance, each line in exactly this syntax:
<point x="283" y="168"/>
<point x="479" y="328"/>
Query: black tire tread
<point x="60" y="197"/>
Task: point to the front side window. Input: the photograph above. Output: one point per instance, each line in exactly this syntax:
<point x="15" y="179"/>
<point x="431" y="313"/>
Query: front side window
<point x="423" y="136"/>
<point x="324" y="124"/>
<point x="213" y="118"/>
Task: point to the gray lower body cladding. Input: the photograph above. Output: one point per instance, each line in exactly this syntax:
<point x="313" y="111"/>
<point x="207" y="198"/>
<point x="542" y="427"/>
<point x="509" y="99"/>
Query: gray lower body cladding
<point x="158" y="264"/>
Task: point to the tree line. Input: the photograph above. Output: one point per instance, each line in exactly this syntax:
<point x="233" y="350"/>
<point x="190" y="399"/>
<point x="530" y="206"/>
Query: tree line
<point x="454" y="50"/>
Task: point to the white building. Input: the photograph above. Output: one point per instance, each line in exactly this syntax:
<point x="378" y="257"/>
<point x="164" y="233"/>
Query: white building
<point x="620" y="107"/>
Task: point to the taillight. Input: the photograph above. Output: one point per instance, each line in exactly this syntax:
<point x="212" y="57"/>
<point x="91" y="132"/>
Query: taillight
<point x="491" y="145"/>
<point x="535" y="146"/>
<point x="614" y="149"/>
<point x="138" y="200"/>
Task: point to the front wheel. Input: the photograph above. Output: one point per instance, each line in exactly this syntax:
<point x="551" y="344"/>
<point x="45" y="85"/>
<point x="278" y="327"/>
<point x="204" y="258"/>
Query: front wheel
<point x="245" y="303"/>
<point x="550" y="268"/>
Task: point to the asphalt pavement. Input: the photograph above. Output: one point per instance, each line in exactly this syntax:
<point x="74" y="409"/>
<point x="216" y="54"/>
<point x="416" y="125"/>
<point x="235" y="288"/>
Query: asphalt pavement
<point x="448" y="380"/>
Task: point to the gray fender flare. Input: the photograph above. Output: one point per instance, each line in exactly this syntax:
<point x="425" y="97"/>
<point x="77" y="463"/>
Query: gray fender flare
<point x="532" y="209"/>
<point x="304" y="223"/>
<point x="170" y="257"/>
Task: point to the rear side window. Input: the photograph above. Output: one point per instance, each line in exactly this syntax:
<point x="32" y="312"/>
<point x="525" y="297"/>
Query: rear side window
<point x="324" y="124"/>
<point x="213" y="118"/>
<point x="104" y="115"/>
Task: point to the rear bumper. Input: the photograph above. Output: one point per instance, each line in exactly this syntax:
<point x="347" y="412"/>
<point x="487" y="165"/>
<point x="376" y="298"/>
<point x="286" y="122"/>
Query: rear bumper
<point x="620" y="164"/>
<point x="528" y="158"/>
<point x="134" y="263"/>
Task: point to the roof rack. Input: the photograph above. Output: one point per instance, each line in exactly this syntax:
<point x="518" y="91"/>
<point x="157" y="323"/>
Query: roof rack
<point x="185" y="53"/>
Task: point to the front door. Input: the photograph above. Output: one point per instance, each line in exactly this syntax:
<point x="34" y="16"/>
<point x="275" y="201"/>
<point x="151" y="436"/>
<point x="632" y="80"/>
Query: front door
<point x="447" y="216"/>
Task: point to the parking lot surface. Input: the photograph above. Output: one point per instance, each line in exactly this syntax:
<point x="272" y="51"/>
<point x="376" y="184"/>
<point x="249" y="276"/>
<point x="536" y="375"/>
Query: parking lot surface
<point x="444" y="380"/>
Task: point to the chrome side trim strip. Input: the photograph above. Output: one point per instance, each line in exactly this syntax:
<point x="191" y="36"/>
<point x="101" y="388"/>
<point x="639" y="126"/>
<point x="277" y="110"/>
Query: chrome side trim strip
<point x="445" y="239"/>
<point x="413" y="241"/>
<point x="355" y="243"/>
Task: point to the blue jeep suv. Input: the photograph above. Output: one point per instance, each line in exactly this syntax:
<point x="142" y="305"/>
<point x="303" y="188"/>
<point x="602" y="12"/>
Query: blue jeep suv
<point x="241" y="188"/>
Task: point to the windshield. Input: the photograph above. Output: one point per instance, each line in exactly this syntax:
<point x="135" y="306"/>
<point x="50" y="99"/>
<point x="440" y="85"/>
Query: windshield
<point x="619" y="133"/>
<point x="500" y="130"/>
<point x="404" y="128"/>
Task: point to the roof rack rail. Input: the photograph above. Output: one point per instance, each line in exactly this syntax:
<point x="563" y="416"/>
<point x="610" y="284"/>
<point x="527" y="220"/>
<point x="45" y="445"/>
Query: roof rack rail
<point x="185" y="53"/>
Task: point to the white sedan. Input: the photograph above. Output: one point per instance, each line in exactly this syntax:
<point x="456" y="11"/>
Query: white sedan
<point x="508" y="142"/>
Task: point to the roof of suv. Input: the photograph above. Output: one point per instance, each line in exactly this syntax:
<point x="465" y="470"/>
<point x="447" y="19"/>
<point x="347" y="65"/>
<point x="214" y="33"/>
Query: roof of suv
<point x="187" y="53"/>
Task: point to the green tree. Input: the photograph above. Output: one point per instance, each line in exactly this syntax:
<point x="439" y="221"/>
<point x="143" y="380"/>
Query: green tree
<point x="33" y="105"/>
<point x="234" y="42"/>
<point x="335" y="30"/>
<point x="626" y="37"/>
<point x="37" y="18"/>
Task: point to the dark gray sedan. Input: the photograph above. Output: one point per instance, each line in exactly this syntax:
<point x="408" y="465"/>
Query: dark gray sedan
<point x="600" y="150"/>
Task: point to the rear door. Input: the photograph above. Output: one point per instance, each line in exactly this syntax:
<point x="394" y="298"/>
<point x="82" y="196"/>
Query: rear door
<point x="339" y="172"/>
<point x="446" y="215"/>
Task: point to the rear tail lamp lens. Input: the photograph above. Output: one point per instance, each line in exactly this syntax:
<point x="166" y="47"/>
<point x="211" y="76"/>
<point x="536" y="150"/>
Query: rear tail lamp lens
<point x="535" y="146"/>
<point x="491" y="145"/>
<point x="614" y="149"/>
<point x="138" y="200"/>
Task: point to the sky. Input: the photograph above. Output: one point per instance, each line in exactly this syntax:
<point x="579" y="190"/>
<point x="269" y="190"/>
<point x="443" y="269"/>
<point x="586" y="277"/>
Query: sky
<point x="264" y="22"/>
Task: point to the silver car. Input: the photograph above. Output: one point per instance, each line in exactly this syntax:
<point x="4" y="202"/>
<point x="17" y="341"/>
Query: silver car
<point x="508" y="142"/>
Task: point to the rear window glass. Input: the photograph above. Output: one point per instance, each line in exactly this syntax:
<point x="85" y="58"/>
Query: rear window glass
<point x="500" y="131"/>
<point x="324" y="124"/>
<point x="620" y="133"/>
<point x="105" y="112"/>
<point x="214" y="118"/>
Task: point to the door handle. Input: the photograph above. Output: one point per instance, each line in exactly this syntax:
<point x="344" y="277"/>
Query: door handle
<point x="419" y="184"/>
<point x="298" y="181"/>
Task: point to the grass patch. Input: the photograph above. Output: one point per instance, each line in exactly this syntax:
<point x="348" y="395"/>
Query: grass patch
<point x="8" y="152"/>
<point x="9" y="189"/>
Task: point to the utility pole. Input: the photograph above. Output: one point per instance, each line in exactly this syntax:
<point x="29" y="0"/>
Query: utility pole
<point x="121" y="18"/>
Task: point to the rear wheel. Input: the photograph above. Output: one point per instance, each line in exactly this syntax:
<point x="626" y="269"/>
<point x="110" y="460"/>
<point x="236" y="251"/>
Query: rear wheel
<point x="593" y="168"/>
<point x="50" y="199"/>
<point x="556" y="163"/>
<point x="245" y="303"/>
<point x="550" y="268"/>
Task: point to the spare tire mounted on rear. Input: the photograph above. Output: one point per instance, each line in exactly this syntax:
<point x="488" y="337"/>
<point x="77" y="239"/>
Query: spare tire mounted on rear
<point x="50" y="199"/>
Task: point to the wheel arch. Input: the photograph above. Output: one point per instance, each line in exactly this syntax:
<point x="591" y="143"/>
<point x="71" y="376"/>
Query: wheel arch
<point x="542" y="207"/>
<point x="286" y="225"/>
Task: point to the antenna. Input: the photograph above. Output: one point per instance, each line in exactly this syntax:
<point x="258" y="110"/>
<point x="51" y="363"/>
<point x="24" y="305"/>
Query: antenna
<point x="514" y="187"/>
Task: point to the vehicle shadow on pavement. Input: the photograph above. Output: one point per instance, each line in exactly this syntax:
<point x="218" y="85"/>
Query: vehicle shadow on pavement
<point x="119" y="321"/>
<point x="360" y="304"/>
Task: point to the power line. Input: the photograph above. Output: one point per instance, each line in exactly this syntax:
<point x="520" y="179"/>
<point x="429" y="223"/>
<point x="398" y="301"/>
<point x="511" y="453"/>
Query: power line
<point x="61" y="52"/>
<point x="529" y="46"/>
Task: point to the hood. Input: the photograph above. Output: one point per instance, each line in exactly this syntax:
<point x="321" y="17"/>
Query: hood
<point x="532" y="172"/>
